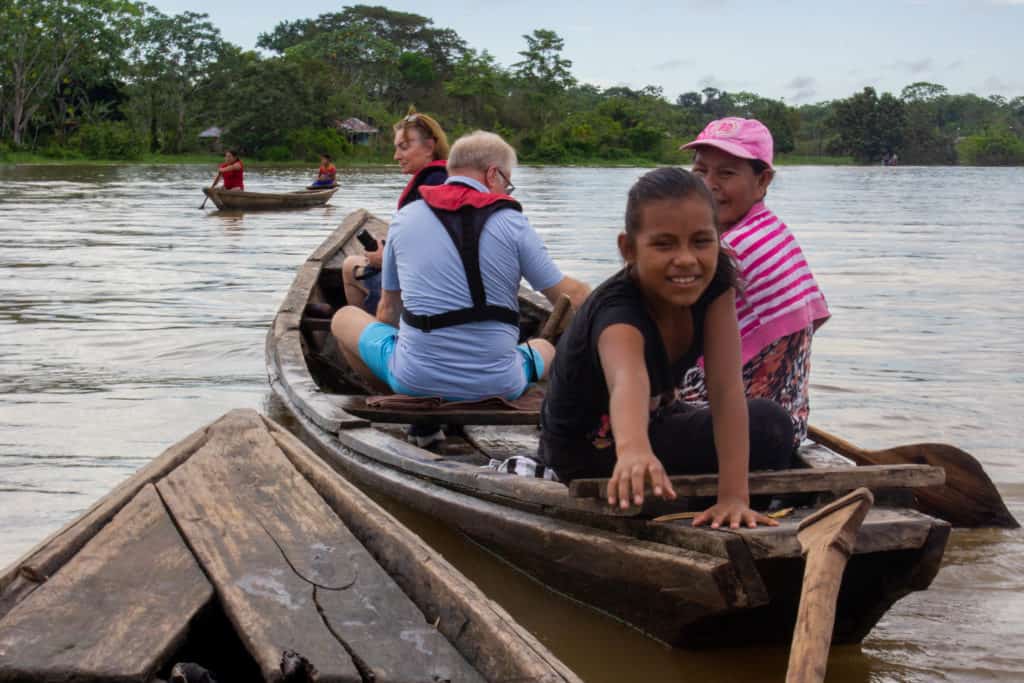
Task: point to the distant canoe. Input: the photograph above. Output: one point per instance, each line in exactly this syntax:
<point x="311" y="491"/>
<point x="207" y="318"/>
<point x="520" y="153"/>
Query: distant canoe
<point x="253" y="201"/>
<point x="240" y="552"/>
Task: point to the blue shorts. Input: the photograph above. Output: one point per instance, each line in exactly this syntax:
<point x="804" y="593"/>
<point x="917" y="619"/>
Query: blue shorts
<point x="377" y="345"/>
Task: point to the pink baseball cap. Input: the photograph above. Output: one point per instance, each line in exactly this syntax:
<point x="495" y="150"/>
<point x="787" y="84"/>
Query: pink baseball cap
<point x="743" y="138"/>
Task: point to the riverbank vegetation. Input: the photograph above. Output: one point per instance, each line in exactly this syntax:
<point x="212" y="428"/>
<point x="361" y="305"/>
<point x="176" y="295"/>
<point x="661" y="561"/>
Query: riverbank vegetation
<point x="115" y="79"/>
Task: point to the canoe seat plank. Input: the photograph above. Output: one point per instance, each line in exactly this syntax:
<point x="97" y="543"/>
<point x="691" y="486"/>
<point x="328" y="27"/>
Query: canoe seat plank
<point x="288" y="572"/>
<point x="837" y="479"/>
<point x="501" y="443"/>
<point x="884" y="529"/>
<point x="356" y="405"/>
<point x="116" y="611"/>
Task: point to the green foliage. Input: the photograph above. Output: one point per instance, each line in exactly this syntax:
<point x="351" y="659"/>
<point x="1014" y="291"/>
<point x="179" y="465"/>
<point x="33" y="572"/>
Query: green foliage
<point x="867" y="127"/>
<point x="271" y="98"/>
<point x="123" y="74"/>
<point x="110" y="140"/>
<point x="307" y="144"/>
<point x="46" y="44"/>
<point x="172" y="59"/>
<point x="996" y="148"/>
<point x="275" y="153"/>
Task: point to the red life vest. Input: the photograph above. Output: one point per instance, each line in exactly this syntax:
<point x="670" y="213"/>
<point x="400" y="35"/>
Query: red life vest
<point x="233" y="179"/>
<point x="411" y="193"/>
<point x="329" y="171"/>
<point x="463" y="211"/>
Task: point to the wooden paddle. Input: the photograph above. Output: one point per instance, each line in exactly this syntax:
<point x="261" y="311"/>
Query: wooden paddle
<point x="553" y="325"/>
<point x="826" y="538"/>
<point x="205" y="199"/>
<point x="967" y="499"/>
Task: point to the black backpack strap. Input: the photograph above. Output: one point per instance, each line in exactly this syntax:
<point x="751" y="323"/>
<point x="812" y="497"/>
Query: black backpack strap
<point x="465" y="226"/>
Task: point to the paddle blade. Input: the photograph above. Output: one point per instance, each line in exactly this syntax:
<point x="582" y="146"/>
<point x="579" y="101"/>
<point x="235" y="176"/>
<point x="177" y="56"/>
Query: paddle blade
<point x="967" y="499"/>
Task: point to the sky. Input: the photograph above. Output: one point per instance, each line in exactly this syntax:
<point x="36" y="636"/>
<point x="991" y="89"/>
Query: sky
<point x="796" y="50"/>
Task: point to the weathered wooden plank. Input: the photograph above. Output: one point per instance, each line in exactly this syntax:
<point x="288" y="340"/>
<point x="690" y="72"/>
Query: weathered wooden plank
<point x="326" y="410"/>
<point x="502" y="442"/>
<point x="447" y="414"/>
<point x="289" y="573"/>
<point x="116" y="611"/>
<point x="506" y="488"/>
<point x="298" y="294"/>
<point x="791" y="481"/>
<point x="26" y="574"/>
<point x="819" y="457"/>
<point x="589" y="563"/>
<point x="612" y="555"/>
<point x="884" y="529"/>
<point x="481" y="630"/>
<point x="349" y="226"/>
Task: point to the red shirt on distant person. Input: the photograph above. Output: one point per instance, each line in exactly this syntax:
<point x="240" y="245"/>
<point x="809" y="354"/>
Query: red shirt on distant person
<point x="232" y="171"/>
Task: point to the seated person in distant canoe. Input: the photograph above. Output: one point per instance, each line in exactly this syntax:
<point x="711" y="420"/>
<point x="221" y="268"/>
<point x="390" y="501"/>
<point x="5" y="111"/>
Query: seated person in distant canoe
<point x="327" y="174"/>
<point x="421" y="148"/>
<point x="609" y="408"/>
<point x="452" y="267"/>
<point x="231" y="171"/>
<point x="780" y="306"/>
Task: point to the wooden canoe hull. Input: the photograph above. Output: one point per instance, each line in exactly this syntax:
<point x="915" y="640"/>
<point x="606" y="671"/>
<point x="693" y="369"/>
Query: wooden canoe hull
<point x="174" y="566"/>
<point x="267" y="201"/>
<point x="698" y="587"/>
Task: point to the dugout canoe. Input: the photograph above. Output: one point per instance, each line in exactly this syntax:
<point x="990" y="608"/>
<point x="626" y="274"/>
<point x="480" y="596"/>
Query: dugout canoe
<point x="259" y="201"/>
<point x="688" y="587"/>
<point x="239" y="552"/>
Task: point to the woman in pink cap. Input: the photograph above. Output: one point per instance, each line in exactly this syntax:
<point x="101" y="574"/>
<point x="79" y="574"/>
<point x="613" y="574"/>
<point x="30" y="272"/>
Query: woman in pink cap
<point x="780" y="305"/>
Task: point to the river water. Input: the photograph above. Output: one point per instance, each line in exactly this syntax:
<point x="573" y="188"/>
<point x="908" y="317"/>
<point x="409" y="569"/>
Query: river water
<point x="129" y="318"/>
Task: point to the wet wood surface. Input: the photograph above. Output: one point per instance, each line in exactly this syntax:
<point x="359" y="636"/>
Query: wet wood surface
<point x="790" y="481"/>
<point x="116" y="611"/>
<point x="289" y="574"/>
<point x="826" y="539"/>
<point x="481" y="630"/>
<point x="28" y="573"/>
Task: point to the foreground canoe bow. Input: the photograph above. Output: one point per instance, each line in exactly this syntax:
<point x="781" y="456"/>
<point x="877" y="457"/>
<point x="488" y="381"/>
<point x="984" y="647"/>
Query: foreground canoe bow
<point x="256" y="201"/>
<point x="968" y="498"/>
<point x="241" y="552"/>
<point x="690" y="587"/>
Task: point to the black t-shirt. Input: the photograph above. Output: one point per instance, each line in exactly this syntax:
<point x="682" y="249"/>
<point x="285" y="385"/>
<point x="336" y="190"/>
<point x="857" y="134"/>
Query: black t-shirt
<point x="575" y="411"/>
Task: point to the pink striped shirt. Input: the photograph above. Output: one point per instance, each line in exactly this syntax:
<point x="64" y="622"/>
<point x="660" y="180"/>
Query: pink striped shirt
<point x="781" y="295"/>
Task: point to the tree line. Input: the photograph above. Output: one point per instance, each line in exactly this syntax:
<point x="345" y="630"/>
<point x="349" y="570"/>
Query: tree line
<point x="117" y="79"/>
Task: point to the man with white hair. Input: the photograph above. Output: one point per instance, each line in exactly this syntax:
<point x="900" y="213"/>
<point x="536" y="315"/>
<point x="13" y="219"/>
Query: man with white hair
<point x="451" y="272"/>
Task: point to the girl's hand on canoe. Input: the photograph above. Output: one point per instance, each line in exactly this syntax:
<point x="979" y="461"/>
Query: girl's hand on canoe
<point x="633" y="468"/>
<point x="734" y="513"/>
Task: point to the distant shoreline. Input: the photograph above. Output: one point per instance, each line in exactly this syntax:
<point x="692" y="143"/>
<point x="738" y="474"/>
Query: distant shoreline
<point x="27" y="159"/>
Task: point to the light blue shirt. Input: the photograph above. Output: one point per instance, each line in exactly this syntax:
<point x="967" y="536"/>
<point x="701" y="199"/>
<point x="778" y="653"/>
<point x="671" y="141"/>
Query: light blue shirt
<point x="474" y="360"/>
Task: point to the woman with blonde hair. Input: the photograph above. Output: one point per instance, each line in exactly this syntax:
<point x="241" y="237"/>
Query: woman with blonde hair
<point x="421" y="150"/>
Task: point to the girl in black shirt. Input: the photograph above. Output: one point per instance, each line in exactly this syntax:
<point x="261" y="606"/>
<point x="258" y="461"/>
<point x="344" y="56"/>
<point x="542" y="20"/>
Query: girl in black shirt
<point x="608" y="407"/>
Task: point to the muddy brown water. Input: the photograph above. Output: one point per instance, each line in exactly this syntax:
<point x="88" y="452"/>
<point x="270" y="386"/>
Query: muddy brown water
<point x="128" y="318"/>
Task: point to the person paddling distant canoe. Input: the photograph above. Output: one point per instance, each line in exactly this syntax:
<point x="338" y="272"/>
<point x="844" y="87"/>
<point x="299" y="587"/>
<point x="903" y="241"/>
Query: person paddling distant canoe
<point x="231" y="171"/>
<point x="327" y="174"/>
